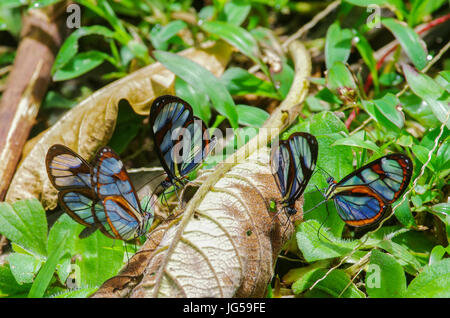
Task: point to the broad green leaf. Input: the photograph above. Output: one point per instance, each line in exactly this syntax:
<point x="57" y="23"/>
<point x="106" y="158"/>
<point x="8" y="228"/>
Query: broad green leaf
<point x="317" y="245"/>
<point x="410" y="42"/>
<point x="9" y="286"/>
<point x="25" y="224"/>
<point x="336" y="284"/>
<point x="416" y="108"/>
<point x="102" y="258"/>
<point x="47" y="270"/>
<point x="203" y="81"/>
<point x="199" y="102"/>
<point x="357" y="140"/>
<point x="422" y="8"/>
<point x="127" y="127"/>
<point x="35" y="4"/>
<point x="283" y="79"/>
<point x="251" y="116"/>
<point x="437" y="254"/>
<point x="385" y="277"/>
<point x="402" y="255"/>
<point x="337" y="45"/>
<point x="367" y="54"/>
<point x="104" y="10"/>
<point x="387" y="105"/>
<point x="24" y="267"/>
<point x="240" y="82"/>
<point x="78" y="293"/>
<point x="8" y="4"/>
<point x="339" y="76"/>
<point x="54" y="99"/>
<point x="69" y="49"/>
<point x="404" y="215"/>
<point x="432" y="282"/>
<point x="235" y="11"/>
<point x="161" y="37"/>
<point x="426" y="88"/>
<point x="80" y="64"/>
<point x="422" y="154"/>
<point x="237" y="37"/>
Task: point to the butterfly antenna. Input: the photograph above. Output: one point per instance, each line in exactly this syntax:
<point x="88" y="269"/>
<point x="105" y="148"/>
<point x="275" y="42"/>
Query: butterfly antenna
<point x="314" y="207"/>
<point x="323" y="170"/>
<point x="322" y="224"/>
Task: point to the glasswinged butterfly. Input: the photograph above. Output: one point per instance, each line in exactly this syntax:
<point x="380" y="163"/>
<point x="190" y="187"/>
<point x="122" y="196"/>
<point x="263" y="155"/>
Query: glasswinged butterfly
<point x="99" y="196"/>
<point x="365" y="196"/>
<point x="181" y="139"/>
<point x="293" y="162"/>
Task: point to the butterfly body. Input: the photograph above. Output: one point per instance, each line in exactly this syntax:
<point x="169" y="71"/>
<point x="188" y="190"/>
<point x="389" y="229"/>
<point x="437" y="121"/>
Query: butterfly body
<point x="181" y="139"/>
<point x="365" y="196"/>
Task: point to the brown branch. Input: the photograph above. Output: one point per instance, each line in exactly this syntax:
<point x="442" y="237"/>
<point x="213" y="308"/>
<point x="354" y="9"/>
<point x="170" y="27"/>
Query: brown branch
<point x="27" y="85"/>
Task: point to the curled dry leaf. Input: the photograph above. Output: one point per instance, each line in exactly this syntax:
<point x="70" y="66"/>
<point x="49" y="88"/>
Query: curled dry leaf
<point x="224" y="242"/>
<point x="91" y="123"/>
<point x="228" y="248"/>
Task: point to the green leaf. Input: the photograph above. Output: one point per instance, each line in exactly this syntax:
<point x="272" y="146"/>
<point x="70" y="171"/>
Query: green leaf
<point x="160" y="39"/>
<point x="437" y="254"/>
<point x="240" y="82"/>
<point x="317" y="245"/>
<point x="336" y="284"/>
<point x="127" y="127"/>
<point x="198" y="102"/>
<point x="35" y="4"/>
<point x="402" y="255"/>
<point x="9" y="286"/>
<point x="357" y="140"/>
<point x="366" y="52"/>
<point x="422" y="154"/>
<point x="251" y="116"/>
<point x="46" y="273"/>
<point x="70" y="46"/>
<point x="404" y="215"/>
<point x="54" y="99"/>
<point x="203" y="80"/>
<point x="237" y="37"/>
<point x="24" y="267"/>
<point x="432" y="282"/>
<point x="385" y="277"/>
<point x="78" y="293"/>
<point x="410" y="42"/>
<point x="25" y="224"/>
<point x="419" y="110"/>
<point x="339" y="76"/>
<point x="422" y="8"/>
<point x="9" y="4"/>
<point x="387" y="105"/>
<point x="338" y="43"/>
<point x="283" y="79"/>
<point x="80" y="64"/>
<point x="235" y="11"/>
<point x="426" y="88"/>
<point x="101" y="259"/>
<point x="104" y="10"/>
